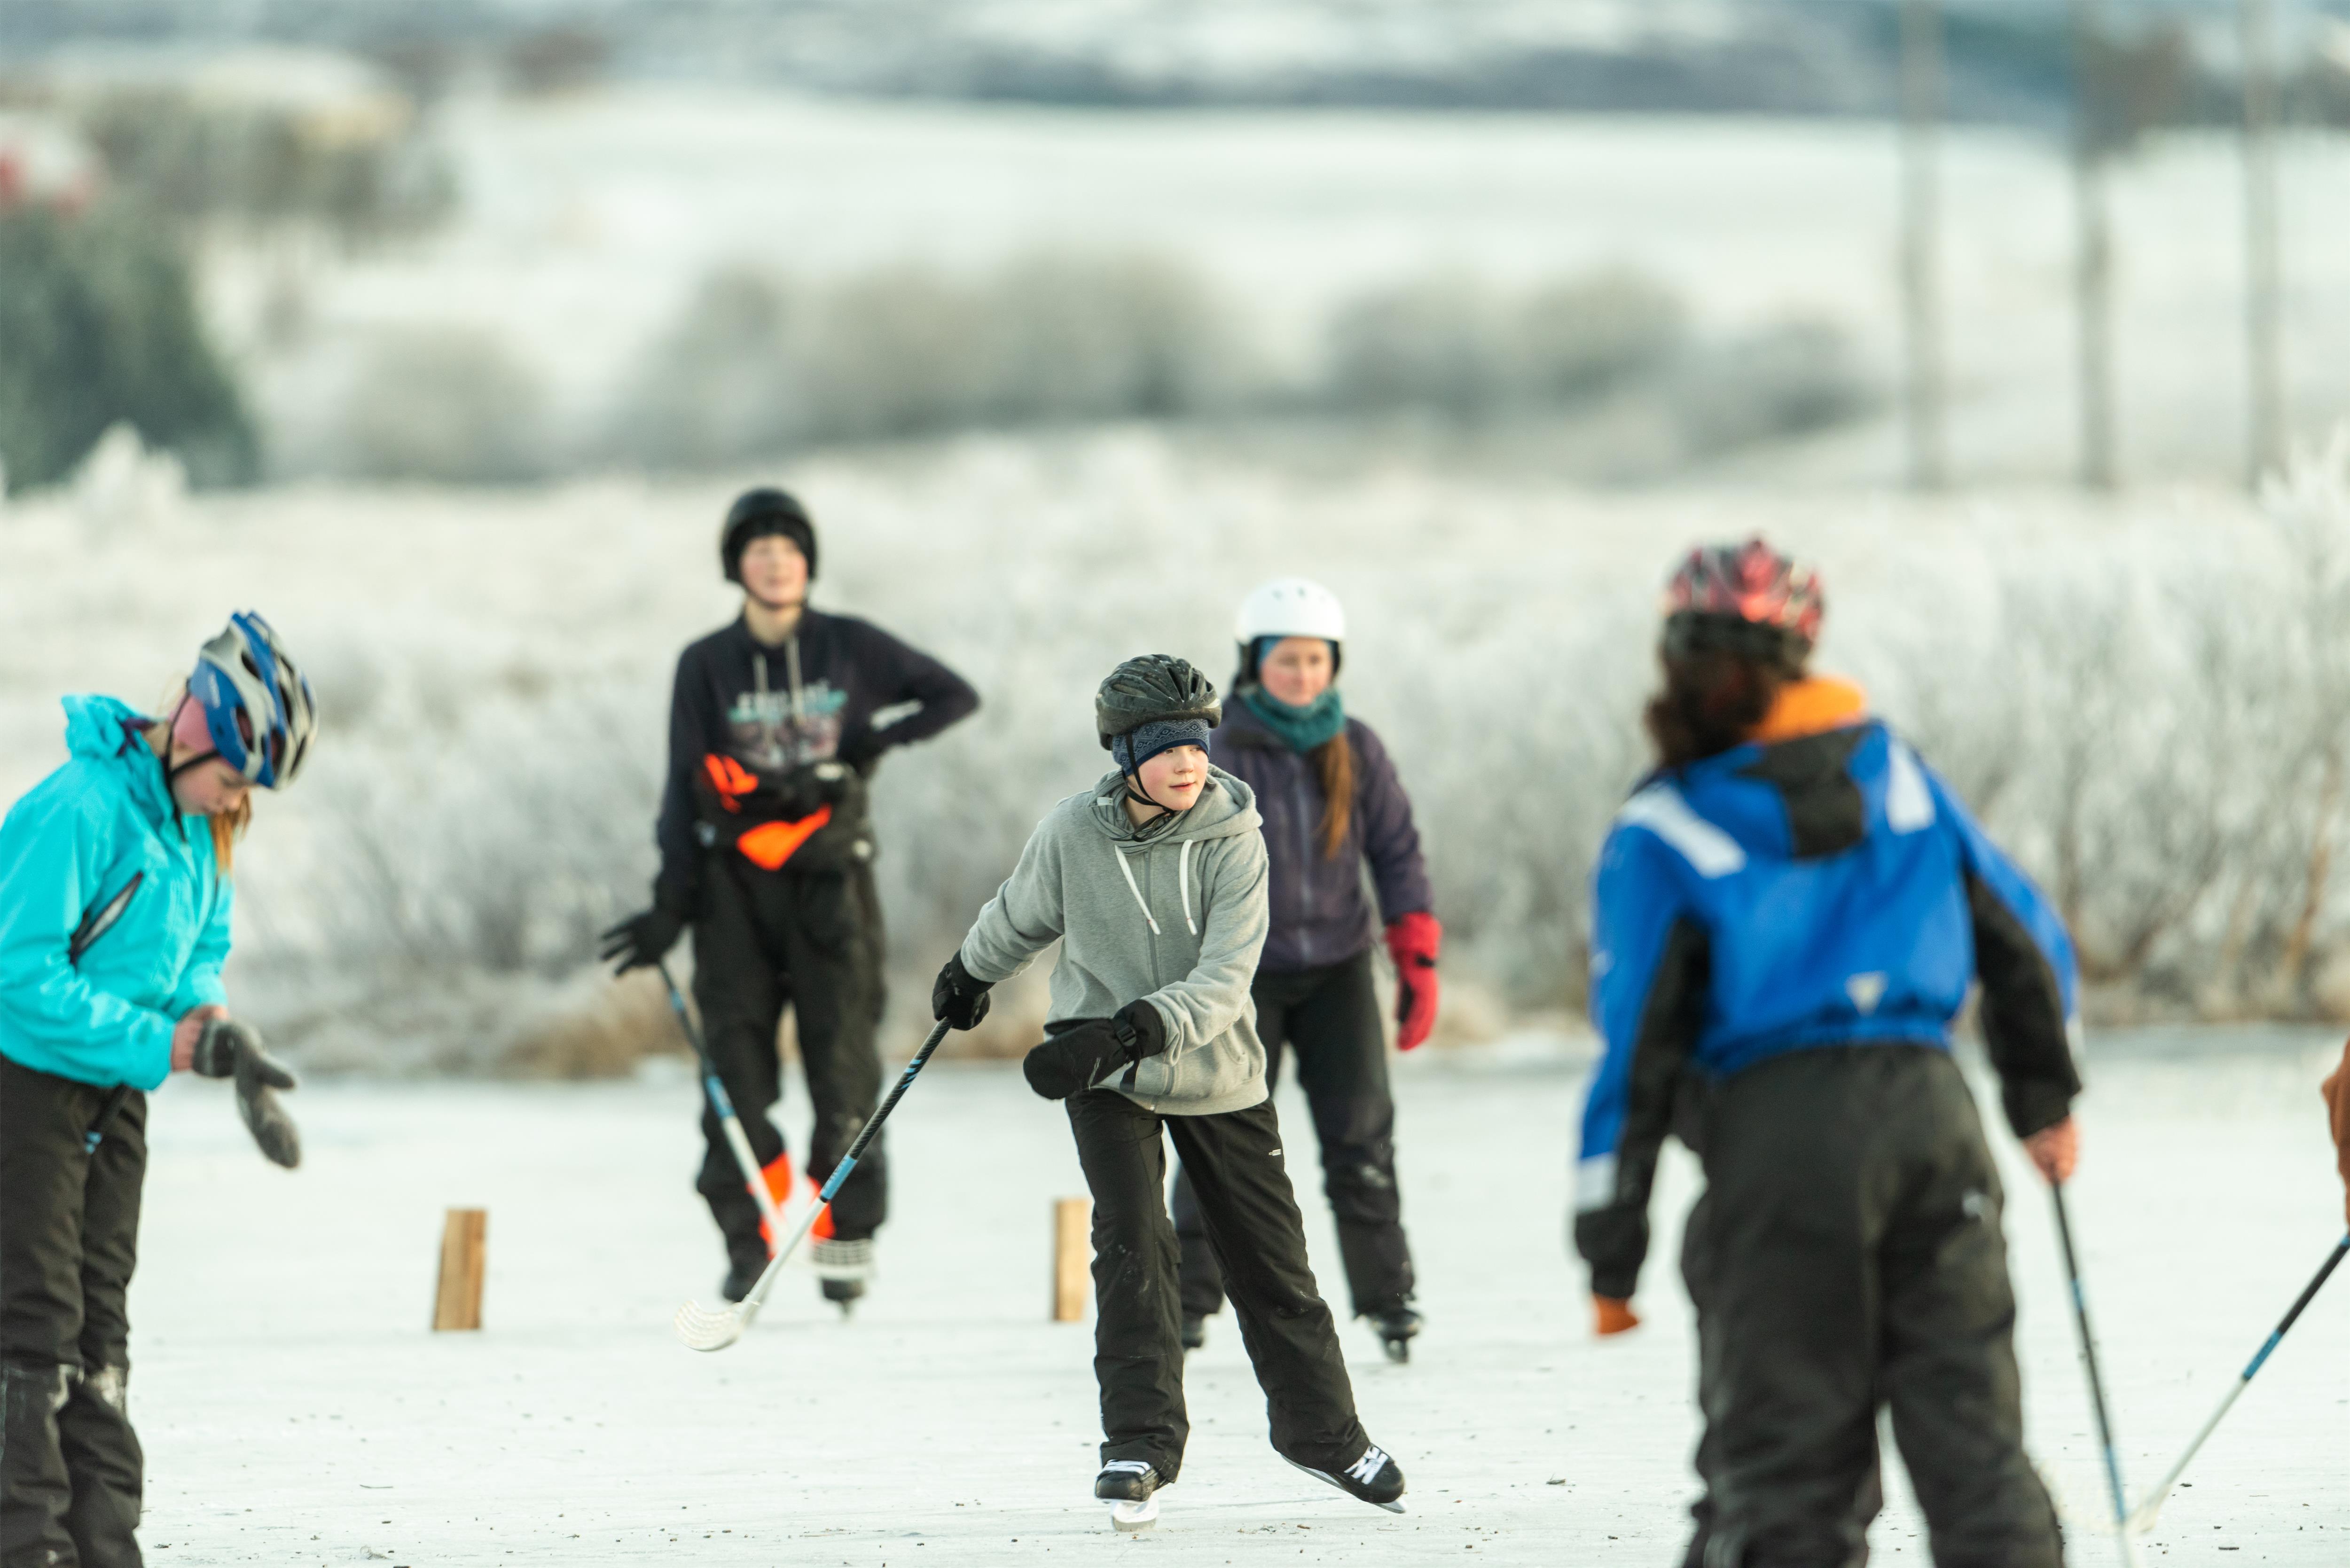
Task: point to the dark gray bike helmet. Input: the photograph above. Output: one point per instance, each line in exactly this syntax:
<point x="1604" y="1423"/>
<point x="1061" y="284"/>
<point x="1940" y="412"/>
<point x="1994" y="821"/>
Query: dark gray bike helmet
<point x="1150" y="689"/>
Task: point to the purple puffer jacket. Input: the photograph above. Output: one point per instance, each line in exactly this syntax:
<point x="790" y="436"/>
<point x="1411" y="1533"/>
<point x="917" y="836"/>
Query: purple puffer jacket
<point x="1319" y="914"/>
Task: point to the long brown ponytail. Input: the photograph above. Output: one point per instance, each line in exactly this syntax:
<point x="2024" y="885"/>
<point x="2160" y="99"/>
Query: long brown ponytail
<point x="1334" y="764"/>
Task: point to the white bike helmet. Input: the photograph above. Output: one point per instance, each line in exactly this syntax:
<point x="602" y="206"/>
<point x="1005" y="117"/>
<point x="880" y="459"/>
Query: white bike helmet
<point x="1288" y="607"/>
<point x="256" y="705"/>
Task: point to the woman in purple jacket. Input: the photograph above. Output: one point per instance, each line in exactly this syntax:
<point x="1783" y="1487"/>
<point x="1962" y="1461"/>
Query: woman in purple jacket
<point x="1331" y="801"/>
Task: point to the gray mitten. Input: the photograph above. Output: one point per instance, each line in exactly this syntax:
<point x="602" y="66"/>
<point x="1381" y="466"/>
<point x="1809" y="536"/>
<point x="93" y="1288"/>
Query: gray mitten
<point x="227" y="1049"/>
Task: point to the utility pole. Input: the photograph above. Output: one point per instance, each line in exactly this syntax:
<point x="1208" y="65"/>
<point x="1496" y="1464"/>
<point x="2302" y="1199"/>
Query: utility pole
<point x="1921" y="279"/>
<point x="2092" y="251"/>
<point x="2263" y="316"/>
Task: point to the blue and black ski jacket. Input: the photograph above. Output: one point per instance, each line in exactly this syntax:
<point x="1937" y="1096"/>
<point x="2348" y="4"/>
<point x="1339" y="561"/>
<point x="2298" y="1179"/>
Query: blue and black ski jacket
<point x="1817" y="887"/>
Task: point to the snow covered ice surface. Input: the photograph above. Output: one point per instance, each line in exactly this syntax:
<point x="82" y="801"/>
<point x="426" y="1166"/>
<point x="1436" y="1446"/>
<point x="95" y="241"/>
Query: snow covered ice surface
<point x="296" y="1410"/>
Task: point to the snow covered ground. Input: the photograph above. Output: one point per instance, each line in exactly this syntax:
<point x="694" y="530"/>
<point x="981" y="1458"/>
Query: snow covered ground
<point x="296" y="1410"/>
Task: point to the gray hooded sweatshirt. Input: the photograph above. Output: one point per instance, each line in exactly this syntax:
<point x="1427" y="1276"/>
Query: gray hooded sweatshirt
<point x="1172" y="912"/>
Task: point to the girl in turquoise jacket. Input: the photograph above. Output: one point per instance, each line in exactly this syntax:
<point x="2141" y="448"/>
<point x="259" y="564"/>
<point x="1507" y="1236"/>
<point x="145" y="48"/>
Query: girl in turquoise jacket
<point x="114" y="923"/>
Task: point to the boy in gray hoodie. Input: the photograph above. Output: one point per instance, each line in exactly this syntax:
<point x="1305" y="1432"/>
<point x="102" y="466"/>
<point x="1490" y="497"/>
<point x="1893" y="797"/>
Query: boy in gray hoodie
<point x="1153" y="881"/>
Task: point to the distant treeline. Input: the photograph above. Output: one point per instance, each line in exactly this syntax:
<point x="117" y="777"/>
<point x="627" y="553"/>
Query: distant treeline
<point x="2007" y="62"/>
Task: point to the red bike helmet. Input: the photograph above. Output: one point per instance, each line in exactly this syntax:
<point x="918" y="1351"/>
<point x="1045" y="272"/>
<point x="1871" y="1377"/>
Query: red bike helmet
<point x="1743" y="598"/>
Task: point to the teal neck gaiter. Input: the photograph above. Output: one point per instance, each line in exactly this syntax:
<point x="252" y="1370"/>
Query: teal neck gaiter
<point x="1300" y="729"/>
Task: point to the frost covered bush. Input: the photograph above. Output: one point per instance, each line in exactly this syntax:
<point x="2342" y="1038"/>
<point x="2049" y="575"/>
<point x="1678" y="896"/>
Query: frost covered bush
<point x="759" y="364"/>
<point x="2148" y="703"/>
<point x="1447" y="342"/>
<point x="450" y="405"/>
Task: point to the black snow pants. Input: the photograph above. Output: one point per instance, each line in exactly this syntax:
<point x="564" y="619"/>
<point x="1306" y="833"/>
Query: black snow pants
<point x="814" y="940"/>
<point x="1330" y="1017"/>
<point x="1254" y="1225"/>
<point x="1846" y="1257"/>
<point x="71" y="1471"/>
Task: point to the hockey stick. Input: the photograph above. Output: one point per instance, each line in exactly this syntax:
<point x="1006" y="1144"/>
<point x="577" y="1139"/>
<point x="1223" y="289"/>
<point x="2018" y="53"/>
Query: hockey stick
<point x="721" y="1106"/>
<point x="2096" y="1382"/>
<point x="2144" y="1518"/>
<point x="703" y="1329"/>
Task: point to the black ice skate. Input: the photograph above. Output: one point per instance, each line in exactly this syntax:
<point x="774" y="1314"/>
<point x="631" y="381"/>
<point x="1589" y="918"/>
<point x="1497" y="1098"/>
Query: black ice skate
<point x="1399" y="1325"/>
<point x="742" y="1273"/>
<point x="1375" y="1478"/>
<point x="1195" y="1331"/>
<point x="1131" y="1489"/>
<point x="843" y="1267"/>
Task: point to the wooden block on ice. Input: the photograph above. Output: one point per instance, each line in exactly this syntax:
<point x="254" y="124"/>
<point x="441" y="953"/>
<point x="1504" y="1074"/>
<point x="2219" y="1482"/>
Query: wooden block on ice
<point x="1073" y="1256"/>
<point x="464" y="1256"/>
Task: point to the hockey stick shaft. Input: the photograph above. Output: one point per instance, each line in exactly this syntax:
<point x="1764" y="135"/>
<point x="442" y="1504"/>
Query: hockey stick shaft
<point x="823" y="1205"/>
<point x="721" y="1106"/>
<point x="2155" y="1499"/>
<point x="2097" y="1379"/>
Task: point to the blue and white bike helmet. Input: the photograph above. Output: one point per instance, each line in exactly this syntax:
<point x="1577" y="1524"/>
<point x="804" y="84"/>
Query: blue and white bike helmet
<point x="256" y="705"/>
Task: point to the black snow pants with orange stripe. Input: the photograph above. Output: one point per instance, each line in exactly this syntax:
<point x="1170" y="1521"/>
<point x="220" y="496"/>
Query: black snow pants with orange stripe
<point x="813" y="941"/>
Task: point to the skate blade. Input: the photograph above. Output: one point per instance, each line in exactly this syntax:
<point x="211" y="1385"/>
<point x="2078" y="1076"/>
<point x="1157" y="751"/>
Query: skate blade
<point x="701" y="1329"/>
<point x="1129" y="1517"/>
<point x="1399" y="1350"/>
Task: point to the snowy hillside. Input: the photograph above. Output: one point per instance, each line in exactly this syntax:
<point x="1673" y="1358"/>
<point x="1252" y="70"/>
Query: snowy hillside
<point x="591" y="221"/>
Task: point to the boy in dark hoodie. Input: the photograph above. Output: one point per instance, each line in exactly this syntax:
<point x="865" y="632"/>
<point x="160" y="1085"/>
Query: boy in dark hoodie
<point x="1153" y="881"/>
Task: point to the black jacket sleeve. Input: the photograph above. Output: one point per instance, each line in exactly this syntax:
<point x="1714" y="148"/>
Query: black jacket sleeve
<point x="2025" y="1019"/>
<point x="676" y="887"/>
<point x="1612" y="1233"/>
<point x="899" y="674"/>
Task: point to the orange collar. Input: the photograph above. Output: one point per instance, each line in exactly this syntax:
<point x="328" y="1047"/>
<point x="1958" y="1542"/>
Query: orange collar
<point x="1808" y="707"/>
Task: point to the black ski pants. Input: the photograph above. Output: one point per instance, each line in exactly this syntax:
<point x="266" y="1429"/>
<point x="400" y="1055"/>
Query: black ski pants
<point x="71" y="1471"/>
<point x="1330" y="1017"/>
<point x="768" y="938"/>
<point x="1847" y="1256"/>
<point x="1254" y="1226"/>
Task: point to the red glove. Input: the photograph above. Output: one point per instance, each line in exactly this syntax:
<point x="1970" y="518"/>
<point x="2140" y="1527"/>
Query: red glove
<point x="1412" y="941"/>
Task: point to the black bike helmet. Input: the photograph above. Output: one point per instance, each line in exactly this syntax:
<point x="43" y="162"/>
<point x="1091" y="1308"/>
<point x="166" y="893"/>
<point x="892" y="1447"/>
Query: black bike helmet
<point x="1150" y="688"/>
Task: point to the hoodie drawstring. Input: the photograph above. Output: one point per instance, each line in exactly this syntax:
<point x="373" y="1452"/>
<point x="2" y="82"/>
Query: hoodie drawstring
<point x="1134" y="888"/>
<point x="1183" y="884"/>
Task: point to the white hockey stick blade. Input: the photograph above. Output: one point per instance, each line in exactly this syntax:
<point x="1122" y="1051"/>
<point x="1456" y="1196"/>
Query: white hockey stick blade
<point x="1129" y="1517"/>
<point x="703" y="1329"/>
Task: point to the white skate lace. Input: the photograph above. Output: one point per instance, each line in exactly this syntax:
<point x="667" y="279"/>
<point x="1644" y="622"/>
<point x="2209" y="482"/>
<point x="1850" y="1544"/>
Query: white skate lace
<point x="836" y="1259"/>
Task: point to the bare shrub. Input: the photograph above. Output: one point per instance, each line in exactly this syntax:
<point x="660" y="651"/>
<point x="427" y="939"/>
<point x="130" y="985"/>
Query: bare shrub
<point x="758" y="364"/>
<point x="1786" y="380"/>
<point x="449" y="405"/>
<point x="1440" y="342"/>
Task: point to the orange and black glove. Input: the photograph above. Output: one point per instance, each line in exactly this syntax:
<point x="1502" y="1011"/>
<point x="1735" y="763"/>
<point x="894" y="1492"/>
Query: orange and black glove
<point x="2337" y="1090"/>
<point x="1610" y="1316"/>
<point x="1413" y="942"/>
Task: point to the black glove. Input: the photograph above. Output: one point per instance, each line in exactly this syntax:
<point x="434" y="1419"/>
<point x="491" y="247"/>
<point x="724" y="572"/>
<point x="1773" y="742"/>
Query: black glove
<point x="957" y="997"/>
<point x="227" y="1049"/>
<point x="1092" y="1050"/>
<point x="641" y="940"/>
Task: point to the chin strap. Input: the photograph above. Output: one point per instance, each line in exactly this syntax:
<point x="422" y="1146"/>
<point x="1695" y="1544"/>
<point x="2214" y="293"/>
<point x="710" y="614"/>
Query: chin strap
<point x="1135" y="793"/>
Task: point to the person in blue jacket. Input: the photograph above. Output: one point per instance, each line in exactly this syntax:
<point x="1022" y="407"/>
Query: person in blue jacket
<point x="1788" y="914"/>
<point x="114" y="924"/>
